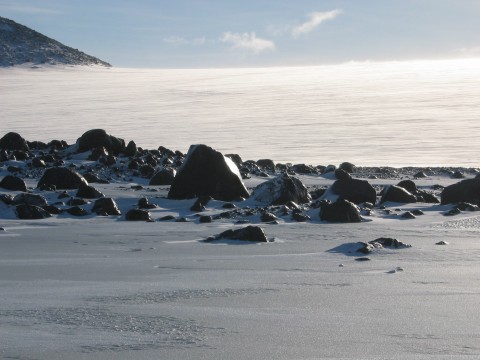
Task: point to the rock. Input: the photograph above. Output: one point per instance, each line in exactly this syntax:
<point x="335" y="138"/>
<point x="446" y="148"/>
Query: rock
<point x="303" y="169"/>
<point x="92" y="178"/>
<point x="409" y="185"/>
<point x="381" y="243"/>
<point x="77" y="202"/>
<point x="348" y="167"/>
<point x="452" y="212"/>
<point x="354" y="190"/>
<point x="77" y="211"/>
<point x="31" y="212"/>
<point x="106" y="206"/>
<point x="205" y="219"/>
<point x="99" y="138"/>
<point x="280" y="190"/>
<point x="13" y="141"/>
<point x="420" y="174"/>
<point x="342" y="174"/>
<point x="268" y="217"/>
<point x="6" y="199"/>
<point x="163" y="177"/>
<point x="342" y="211"/>
<point x="397" y="194"/>
<point x="407" y="215"/>
<point x="167" y="218"/>
<point x="52" y="209"/>
<point x="206" y="172"/>
<point x="144" y="203"/>
<point x="299" y="217"/>
<point x="138" y="215"/>
<point x="467" y="190"/>
<point x="29" y="199"/>
<point x="14" y="183"/>
<point x="442" y="242"/>
<point x="458" y="175"/>
<point x="200" y="203"/>
<point x="266" y="164"/>
<point x="249" y="233"/>
<point x="236" y="159"/>
<point x="131" y="149"/>
<point x="62" y="178"/>
<point x="38" y="163"/>
<point x="88" y="192"/>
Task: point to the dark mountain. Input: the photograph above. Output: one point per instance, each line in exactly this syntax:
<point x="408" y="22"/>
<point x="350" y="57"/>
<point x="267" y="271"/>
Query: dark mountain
<point x="20" y="44"/>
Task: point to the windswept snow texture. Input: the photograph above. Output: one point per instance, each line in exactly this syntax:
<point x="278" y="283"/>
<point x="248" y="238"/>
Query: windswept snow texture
<point x="20" y="44"/>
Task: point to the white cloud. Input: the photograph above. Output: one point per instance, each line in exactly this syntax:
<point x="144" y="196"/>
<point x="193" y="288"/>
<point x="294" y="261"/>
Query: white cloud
<point x="314" y="20"/>
<point x="247" y="41"/>
<point x="470" y="51"/>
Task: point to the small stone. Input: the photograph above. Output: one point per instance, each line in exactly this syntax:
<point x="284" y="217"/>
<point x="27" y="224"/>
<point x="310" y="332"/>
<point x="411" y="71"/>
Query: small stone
<point x="441" y="243"/>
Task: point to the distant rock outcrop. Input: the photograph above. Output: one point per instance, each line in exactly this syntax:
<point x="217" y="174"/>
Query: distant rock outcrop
<point x="20" y="45"/>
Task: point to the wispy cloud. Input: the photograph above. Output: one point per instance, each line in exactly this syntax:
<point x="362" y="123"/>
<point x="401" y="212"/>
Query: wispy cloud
<point x="247" y="41"/>
<point x="469" y="51"/>
<point x="313" y="21"/>
<point x="29" y="9"/>
<point x="178" y="40"/>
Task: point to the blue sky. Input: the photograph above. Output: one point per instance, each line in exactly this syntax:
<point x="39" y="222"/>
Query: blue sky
<point x="228" y="33"/>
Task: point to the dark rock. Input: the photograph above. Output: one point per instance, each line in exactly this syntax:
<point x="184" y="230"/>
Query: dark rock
<point x="267" y="217"/>
<point x="348" y="167"/>
<point x="163" y="177"/>
<point x="452" y="212"/>
<point x="328" y="169"/>
<point x="38" y="163"/>
<point x="99" y="138"/>
<point x="249" y="233"/>
<point x="88" y="192"/>
<point x="77" y="211"/>
<point x="342" y="174"/>
<point x="407" y="215"/>
<point x="62" y="178"/>
<point x="362" y="259"/>
<point x="147" y="170"/>
<point x="131" y="149"/>
<point x="6" y="199"/>
<point x="266" y="164"/>
<point x="200" y="204"/>
<point x="76" y="202"/>
<point x="303" y="169"/>
<point x="20" y="155"/>
<point x="3" y="155"/>
<point x="342" y="211"/>
<point x="381" y="243"/>
<point x="464" y="206"/>
<point x="417" y="212"/>
<point x="395" y="193"/>
<point x="420" y="174"/>
<point x="458" y="175"/>
<point x="236" y="159"/>
<point x="317" y="194"/>
<point x="409" y="185"/>
<point x="467" y="190"/>
<point x="13" y="183"/>
<point x="354" y="190"/>
<point x="206" y="172"/>
<point x="229" y="206"/>
<point x="429" y="198"/>
<point x="297" y="216"/>
<point x="92" y="178"/>
<point x="97" y="153"/>
<point x="31" y="212"/>
<point x="13" y="141"/>
<point x="205" y="219"/>
<point x="106" y="206"/>
<point x="167" y="217"/>
<point x="29" y="199"/>
<point x="52" y="209"/>
<point x="138" y="215"/>
<point x="144" y="203"/>
<point x="280" y="190"/>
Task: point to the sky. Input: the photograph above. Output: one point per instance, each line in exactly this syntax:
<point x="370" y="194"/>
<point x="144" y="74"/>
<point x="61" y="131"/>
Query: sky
<point x="251" y="33"/>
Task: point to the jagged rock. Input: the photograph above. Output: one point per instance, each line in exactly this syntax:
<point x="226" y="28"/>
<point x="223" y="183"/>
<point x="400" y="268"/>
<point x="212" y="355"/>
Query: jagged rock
<point x="397" y="194"/>
<point x="280" y="190"/>
<point x="106" y="206"/>
<point x="131" y="149"/>
<point x="88" y="192"/>
<point x="354" y="190"/>
<point x="342" y="211"/>
<point x="408" y="215"/>
<point x="138" y="215"/>
<point x="31" y="212"/>
<point x="62" y="178"/>
<point x="206" y="172"/>
<point x="13" y="183"/>
<point x="99" y="138"/>
<point x="13" y="140"/>
<point x="29" y="199"/>
<point x="163" y="177"/>
<point x="467" y="190"/>
<point x="249" y="233"/>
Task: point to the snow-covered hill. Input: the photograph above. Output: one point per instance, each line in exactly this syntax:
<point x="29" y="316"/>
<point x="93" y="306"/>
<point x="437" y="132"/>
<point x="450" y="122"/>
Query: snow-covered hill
<point x="20" y="44"/>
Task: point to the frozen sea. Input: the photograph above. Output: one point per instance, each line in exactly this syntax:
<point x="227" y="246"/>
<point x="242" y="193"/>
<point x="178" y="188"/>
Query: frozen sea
<point x="422" y="113"/>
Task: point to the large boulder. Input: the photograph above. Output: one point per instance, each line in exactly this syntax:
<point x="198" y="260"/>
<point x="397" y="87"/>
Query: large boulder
<point x="249" y="233"/>
<point x="467" y="190"/>
<point x="13" y="183"/>
<point x="354" y="190"/>
<point x="280" y="190"/>
<point x="61" y="178"/>
<point x="29" y="199"/>
<point x="206" y="172"/>
<point x="106" y="206"/>
<point x="13" y="141"/>
<point x="98" y="138"/>
<point x="342" y="211"/>
<point x="163" y="177"/>
<point x="31" y="212"/>
<point x="88" y="192"/>
<point x="397" y="194"/>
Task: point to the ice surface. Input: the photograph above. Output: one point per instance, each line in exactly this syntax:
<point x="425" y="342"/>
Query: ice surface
<point x="104" y="288"/>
